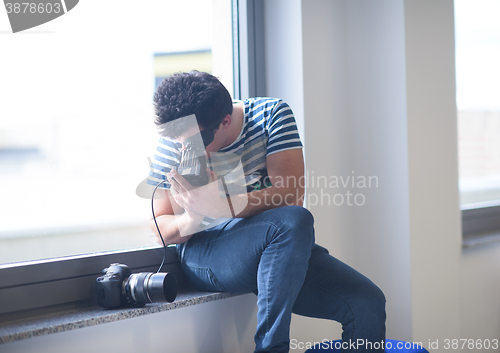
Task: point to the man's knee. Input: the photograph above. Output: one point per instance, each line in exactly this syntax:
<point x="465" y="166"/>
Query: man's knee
<point x="378" y="298"/>
<point x="297" y="220"/>
<point x="295" y="216"/>
<point x="294" y="226"/>
<point x="371" y="301"/>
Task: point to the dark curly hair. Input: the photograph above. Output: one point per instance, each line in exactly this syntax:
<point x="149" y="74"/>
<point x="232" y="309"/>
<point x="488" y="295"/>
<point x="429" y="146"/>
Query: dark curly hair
<point x="188" y="93"/>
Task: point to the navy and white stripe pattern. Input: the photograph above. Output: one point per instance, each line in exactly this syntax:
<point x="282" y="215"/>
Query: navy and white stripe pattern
<point x="269" y="127"/>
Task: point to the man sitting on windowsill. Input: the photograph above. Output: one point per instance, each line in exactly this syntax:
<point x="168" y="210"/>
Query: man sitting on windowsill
<point x="267" y="246"/>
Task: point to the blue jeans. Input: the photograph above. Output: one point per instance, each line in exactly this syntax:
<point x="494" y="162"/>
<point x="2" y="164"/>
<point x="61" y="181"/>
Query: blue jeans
<point x="273" y="254"/>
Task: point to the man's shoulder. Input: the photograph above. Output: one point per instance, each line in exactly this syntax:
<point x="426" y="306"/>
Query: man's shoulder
<point x="170" y="143"/>
<point x="168" y="147"/>
<point x="263" y="106"/>
<point x="262" y="101"/>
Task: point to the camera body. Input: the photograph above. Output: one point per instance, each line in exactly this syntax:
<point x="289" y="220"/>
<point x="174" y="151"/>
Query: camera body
<point x="193" y="164"/>
<point x="118" y="286"/>
<point x="193" y="169"/>
<point x="109" y="287"/>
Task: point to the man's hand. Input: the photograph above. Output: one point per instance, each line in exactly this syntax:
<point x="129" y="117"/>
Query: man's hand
<point x="286" y="172"/>
<point x="204" y="200"/>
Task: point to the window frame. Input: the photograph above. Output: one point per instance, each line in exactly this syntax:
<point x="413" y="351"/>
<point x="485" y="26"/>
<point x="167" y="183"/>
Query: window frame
<point x="480" y="224"/>
<point x="46" y="285"/>
<point x="249" y="66"/>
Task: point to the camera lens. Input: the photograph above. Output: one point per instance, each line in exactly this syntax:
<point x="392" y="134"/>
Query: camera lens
<point x="149" y="287"/>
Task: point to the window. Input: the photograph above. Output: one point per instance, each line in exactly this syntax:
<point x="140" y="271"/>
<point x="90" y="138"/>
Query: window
<point x="77" y="120"/>
<point x="478" y="73"/>
<point x="79" y="130"/>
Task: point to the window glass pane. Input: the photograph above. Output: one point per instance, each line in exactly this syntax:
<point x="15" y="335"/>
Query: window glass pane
<point x="76" y="119"/>
<point x="478" y="99"/>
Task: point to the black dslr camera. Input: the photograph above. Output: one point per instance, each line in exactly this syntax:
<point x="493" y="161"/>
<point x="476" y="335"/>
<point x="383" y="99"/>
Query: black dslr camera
<point x="120" y="287"/>
<point x="193" y="164"/>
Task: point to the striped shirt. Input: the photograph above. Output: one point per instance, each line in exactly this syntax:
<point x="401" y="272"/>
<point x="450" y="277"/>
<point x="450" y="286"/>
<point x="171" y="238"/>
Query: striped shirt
<point x="269" y="127"/>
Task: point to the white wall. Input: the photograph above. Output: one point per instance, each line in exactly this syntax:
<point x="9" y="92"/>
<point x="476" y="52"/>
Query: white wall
<point x="479" y="288"/>
<point x="288" y="77"/>
<point x="379" y="99"/>
<point x="354" y="124"/>
<point x="433" y="169"/>
<point x="376" y="108"/>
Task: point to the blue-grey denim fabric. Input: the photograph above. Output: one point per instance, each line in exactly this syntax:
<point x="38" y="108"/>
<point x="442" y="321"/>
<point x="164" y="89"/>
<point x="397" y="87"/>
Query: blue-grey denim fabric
<point x="273" y="254"/>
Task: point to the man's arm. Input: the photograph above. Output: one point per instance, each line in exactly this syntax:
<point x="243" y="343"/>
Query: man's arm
<point x="286" y="172"/>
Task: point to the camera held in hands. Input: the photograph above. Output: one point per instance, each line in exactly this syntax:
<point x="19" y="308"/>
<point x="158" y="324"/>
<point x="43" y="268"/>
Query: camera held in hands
<point x="193" y="164"/>
<point x="120" y="287"/>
